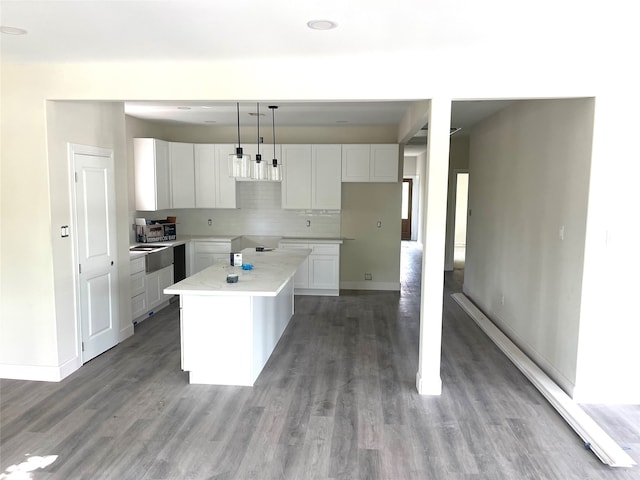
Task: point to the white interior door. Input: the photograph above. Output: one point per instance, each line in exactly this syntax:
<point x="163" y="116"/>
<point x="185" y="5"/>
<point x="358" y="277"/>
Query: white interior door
<point x="95" y="216"/>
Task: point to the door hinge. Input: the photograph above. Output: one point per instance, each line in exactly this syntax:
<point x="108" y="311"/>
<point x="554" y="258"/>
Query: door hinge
<point x="79" y="268"/>
<point x="76" y="176"/>
<point x="83" y="346"/>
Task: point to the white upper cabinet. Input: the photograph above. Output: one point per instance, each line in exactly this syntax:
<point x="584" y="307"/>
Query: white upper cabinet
<point x="370" y="163"/>
<point x="355" y="162"/>
<point x="326" y="177"/>
<point x="225" y="186"/>
<point x="296" y="176"/>
<point x="384" y="163"/>
<point x="182" y="168"/>
<point x="151" y="165"/>
<point x="311" y="177"/>
<point x="205" y="175"/>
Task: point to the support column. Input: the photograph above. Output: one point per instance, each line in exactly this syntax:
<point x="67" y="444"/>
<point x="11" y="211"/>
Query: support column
<point x="428" y="381"/>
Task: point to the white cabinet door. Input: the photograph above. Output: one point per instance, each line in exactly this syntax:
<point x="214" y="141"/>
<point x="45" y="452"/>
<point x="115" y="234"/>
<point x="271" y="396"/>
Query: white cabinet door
<point x="152" y="177"/>
<point x="153" y="292"/>
<point x="182" y="175"/>
<point x="225" y="185"/>
<point x="326" y="177"/>
<point x="201" y="261"/>
<point x="207" y="253"/>
<point x="384" y="163"/>
<point x="138" y="305"/>
<point x="138" y="283"/>
<point x="166" y="280"/>
<point x="296" y="176"/>
<point x="205" y="175"/>
<point x="301" y="278"/>
<point x="355" y="162"/>
<point x="324" y="271"/>
<point x="156" y="282"/>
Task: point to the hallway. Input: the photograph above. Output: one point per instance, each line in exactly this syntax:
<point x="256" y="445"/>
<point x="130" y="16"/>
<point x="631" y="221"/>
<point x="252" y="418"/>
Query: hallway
<point x="337" y="400"/>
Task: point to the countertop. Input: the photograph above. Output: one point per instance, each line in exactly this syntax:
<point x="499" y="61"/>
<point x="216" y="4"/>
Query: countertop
<point x="173" y="243"/>
<point x="311" y="240"/>
<point x="271" y="270"/>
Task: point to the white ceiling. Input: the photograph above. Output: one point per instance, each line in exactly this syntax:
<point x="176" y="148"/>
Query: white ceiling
<point x="113" y="30"/>
<point x="184" y="30"/>
<point x="464" y="114"/>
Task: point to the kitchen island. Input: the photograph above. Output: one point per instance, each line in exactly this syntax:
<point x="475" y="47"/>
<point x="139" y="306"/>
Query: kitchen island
<point x="229" y="330"/>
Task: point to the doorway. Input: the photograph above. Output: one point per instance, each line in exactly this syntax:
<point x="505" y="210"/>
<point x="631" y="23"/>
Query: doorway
<point x="94" y="213"/>
<point x="460" y="222"/>
<point x="407" y="206"/>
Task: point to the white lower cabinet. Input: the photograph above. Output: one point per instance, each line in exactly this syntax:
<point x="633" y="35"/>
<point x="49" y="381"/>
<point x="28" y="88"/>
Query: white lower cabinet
<point x="147" y="288"/>
<point x="319" y="274"/>
<point x="301" y="279"/>
<point x="138" y="288"/>
<point x="156" y="282"/>
<point x="324" y="268"/>
<point x="209" y="252"/>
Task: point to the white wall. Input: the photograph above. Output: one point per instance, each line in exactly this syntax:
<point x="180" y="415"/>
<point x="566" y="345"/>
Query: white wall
<point x="609" y="322"/>
<point x="25" y="197"/>
<point x="370" y="249"/>
<point x="421" y="168"/>
<point x="49" y="349"/>
<point x="410" y="170"/>
<point x="458" y="162"/>
<point x="460" y="224"/>
<point x="529" y="179"/>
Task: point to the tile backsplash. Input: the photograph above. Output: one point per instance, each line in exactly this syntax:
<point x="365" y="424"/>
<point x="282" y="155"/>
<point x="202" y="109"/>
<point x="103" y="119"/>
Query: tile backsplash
<point x="259" y="212"/>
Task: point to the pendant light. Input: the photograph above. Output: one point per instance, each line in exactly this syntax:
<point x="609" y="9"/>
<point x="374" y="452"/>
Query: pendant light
<point x="275" y="171"/>
<point x="259" y="169"/>
<point x="238" y="162"/>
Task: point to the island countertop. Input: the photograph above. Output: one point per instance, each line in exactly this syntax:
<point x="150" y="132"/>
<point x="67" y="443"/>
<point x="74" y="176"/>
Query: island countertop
<point x="271" y="271"/>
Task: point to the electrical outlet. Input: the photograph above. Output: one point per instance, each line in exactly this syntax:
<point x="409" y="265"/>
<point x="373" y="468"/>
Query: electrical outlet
<point x="368" y="276"/>
<point x="210" y="222"/>
<point x="308" y="223"/>
<point x="379" y="224"/>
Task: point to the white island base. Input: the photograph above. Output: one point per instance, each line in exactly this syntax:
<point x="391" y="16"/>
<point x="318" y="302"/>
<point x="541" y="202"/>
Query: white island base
<point x="228" y="331"/>
<point x="228" y="340"/>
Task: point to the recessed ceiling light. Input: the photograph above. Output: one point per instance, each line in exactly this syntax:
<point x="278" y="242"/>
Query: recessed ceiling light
<point x="256" y="114"/>
<point x="209" y="121"/>
<point x="321" y="24"/>
<point x="342" y="121"/>
<point x="184" y="108"/>
<point x="12" y="30"/>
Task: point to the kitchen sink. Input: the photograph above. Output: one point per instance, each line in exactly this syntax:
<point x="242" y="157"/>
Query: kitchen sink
<point x="147" y="248"/>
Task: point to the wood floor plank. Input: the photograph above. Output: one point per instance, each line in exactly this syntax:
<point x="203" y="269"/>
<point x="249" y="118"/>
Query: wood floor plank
<point x="336" y="400"/>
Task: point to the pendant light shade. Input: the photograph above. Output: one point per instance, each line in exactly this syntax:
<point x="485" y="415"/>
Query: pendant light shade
<point x="275" y="170"/>
<point x="239" y="162"/>
<point x="258" y="167"/>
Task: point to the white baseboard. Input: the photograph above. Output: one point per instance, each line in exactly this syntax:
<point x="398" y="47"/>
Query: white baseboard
<point x="40" y="373"/>
<point x="317" y="292"/>
<point x="369" y="285"/>
<point x="125" y="332"/>
<point x="605" y="448"/>
<point x="70" y="366"/>
<point x="557" y="376"/>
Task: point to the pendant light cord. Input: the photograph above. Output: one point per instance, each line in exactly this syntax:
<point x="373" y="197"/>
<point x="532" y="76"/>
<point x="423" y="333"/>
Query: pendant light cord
<point x="258" y="157"/>
<point x="238" y="112"/>
<point x="273" y="124"/>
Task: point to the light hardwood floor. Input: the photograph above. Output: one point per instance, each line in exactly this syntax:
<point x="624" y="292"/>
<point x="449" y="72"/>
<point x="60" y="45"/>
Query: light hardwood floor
<point x="337" y="400"/>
